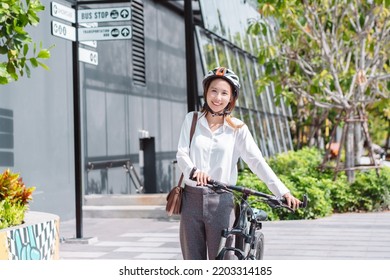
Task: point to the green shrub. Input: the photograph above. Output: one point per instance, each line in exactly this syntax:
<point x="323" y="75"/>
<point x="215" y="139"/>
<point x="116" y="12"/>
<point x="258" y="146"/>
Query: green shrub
<point x="299" y="171"/>
<point x="370" y="191"/>
<point x="11" y="214"/>
<point x="303" y="162"/>
<point x="341" y="197"/>
<point x="14" y="199"/>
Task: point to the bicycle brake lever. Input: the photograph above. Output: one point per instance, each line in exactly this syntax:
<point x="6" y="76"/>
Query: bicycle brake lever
<point x="304" y="202"/>
<point x="279" y="204"/>
<point x="274" y="203"/>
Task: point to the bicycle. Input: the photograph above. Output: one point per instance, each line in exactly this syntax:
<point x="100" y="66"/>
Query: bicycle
<point x="249" y="240"/>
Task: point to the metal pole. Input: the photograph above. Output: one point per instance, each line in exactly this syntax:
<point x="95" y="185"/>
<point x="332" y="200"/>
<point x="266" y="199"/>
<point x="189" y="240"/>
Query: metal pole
<point x="77" y="122"/>
<point x="77" y="137"/>
<point x="190" y="56"/>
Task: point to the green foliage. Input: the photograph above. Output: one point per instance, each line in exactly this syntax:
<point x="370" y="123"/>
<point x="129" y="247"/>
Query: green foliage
<point x="14" y="199"/>
<point x="302" y="162"/>
<point x="372" y="192"/>
<point x="327" y="52"/>
<point x="379" y="121"/>
<point x="299" y="171"/>
<point x="15" y="41"/>
<point x="11" y="214"/>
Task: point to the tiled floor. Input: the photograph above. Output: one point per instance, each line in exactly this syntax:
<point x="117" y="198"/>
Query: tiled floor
<point x="348" y="236"/>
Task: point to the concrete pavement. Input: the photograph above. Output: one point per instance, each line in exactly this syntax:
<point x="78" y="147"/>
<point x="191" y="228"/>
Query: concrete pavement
<point x="350" y="236"/>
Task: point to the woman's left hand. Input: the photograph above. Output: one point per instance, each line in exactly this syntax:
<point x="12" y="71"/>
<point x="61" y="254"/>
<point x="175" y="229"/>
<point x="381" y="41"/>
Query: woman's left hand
<point x="292" y="201"/>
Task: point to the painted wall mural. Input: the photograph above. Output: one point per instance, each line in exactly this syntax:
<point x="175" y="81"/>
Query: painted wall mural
<point x="32" y="242"/>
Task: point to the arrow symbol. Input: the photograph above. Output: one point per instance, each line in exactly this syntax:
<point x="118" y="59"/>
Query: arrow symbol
<point x="125" y="13"/>
<point x="125" y="32"/>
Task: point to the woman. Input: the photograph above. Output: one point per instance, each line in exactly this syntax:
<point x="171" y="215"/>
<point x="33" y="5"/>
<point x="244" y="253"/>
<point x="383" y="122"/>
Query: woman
<point x="218" y="142"/>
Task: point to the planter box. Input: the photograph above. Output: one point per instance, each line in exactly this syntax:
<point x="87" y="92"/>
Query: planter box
<point x="36" y="239"/>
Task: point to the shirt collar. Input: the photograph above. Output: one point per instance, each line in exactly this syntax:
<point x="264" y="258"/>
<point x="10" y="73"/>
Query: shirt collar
<point x="204" y="122"/>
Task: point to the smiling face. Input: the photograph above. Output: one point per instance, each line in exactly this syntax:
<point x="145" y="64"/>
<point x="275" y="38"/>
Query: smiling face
<point x="218" y="95"/>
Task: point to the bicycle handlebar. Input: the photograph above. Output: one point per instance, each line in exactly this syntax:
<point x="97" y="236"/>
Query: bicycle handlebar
<point x="272" y="201"/>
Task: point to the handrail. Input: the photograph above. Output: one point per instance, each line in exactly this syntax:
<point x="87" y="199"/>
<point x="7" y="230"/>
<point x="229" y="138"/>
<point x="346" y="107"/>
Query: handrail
<point x="125" y="163"/>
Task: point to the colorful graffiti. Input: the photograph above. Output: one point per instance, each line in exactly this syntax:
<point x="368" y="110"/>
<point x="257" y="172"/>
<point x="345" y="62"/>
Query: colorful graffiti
<point x="33" y="242"/>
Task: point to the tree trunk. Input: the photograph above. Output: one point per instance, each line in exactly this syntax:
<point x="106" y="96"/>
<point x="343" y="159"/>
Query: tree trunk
<point x="350" y="146"/>
<point x="359" y="141"/>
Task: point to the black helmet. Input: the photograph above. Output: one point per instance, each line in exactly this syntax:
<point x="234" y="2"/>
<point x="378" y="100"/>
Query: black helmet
<point x="226" y="74"/>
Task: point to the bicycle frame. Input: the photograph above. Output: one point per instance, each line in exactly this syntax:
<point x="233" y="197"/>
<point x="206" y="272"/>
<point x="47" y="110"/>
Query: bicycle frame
<point x="248" y="239"/>
<point x="246" y="225"/>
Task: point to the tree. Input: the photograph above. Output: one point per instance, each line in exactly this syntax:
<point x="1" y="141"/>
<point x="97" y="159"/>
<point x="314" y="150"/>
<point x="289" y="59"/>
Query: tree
<point x="15" y="41"/>
<point x="332" y="54"/>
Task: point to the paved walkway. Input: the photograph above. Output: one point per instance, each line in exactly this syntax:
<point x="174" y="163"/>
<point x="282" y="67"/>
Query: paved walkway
<point x="350" y="236"/>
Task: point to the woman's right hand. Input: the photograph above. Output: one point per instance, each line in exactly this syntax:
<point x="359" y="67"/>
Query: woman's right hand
<point x="201" y="178"/>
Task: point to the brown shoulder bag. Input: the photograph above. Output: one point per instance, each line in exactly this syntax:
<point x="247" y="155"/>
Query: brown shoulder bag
<point x="174" y="197"/>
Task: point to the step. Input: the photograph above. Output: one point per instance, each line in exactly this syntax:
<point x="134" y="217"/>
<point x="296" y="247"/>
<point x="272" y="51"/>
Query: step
<point x="136" y="199"/>
<point x="149" y="206"/>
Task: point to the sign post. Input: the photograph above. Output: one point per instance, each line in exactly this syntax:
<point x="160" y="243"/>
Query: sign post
<point x="63" y="12"/>
<point x="87" y="56"/>
<point x="63" y="30"/>
<point x="105" y="33"/>
<point x="104" y="15"/>
<point x="87" y="36"/>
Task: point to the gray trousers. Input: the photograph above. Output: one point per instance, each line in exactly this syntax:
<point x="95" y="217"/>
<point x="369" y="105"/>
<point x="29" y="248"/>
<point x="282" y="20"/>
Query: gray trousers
<point x="204" y="215"/>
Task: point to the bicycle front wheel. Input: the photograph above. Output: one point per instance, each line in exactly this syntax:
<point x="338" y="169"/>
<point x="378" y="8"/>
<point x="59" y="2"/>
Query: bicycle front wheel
<point x="258" y="246"/>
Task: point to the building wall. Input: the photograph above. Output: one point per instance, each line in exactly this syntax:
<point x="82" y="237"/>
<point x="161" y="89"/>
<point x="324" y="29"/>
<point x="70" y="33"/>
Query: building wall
<point x="37" y="114"/>
<point x="42" y="125"/>
<point x="116" y="108"/>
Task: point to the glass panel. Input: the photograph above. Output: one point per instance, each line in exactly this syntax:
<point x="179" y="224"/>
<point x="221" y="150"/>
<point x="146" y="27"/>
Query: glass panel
<point x="221" y="54"/>
<point x="208" y="51"/>
<point x="233" y="64"/>
<point x="245" y="115"/>
<point x="278" y="135"/>
<point x="246" y="89"/>
<point x="286" y="133"/>
<point x="282" y="134"/>
<point x="264" y="95"/>
<point x="272" y="144"/>
<point x="260" y="134"/>
<point x="268" y="123"/>
<point x="217" y="16"/>
<point x="210" y="16"/>
<point x="251" y="64"/>
<point x="267" y="134"/>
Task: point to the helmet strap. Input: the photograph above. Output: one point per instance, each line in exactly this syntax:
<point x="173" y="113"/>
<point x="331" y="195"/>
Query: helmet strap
<point x="214" y="114"/>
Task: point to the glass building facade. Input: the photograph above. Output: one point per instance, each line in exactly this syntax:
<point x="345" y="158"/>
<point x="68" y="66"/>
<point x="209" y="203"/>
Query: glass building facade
<point x="139" y="84"/>
<point x="224" y="41"/>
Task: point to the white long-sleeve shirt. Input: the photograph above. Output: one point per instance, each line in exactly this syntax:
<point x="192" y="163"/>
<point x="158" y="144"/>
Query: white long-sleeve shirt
<point x="217" y="153"/>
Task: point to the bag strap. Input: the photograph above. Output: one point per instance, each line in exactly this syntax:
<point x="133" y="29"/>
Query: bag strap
<point x="193" y="126"/>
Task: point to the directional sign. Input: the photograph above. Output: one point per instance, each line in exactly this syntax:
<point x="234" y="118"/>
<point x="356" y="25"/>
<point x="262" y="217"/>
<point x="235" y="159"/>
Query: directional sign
<point x="63" y="12"/>
<point x="88" y="56"/>
<point x="92" y="44"/>
<point x="104" y="15"/>
<point x="105" y="33"/>
<point x="63" y="30"/>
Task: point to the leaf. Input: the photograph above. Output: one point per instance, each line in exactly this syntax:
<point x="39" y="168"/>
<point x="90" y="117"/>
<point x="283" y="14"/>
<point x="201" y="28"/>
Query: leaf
<point x="44" y="54"/>
<point x="25" y="49"/>
<point x="3" y="80"/>
<point x="3" y="49"/>
<point x="44" y="66"/>
<point x="34" y="62"/>
<point x="11" y="68"/>
<point x="28" y="71"/>
<point x="254" y="28"/>
<point x="14" y="76"/>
